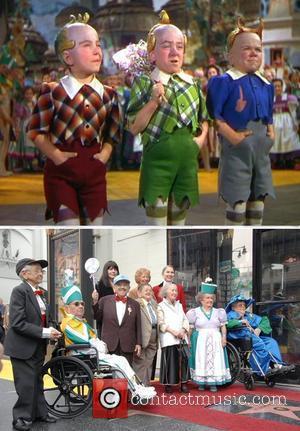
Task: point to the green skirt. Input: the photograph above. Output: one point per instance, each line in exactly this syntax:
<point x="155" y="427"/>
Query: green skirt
<point x="170" y="167"/>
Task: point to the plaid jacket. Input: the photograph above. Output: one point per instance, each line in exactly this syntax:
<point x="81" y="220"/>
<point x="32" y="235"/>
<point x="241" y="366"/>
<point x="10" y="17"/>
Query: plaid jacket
<point x="86" y="116"/>
<point x="185" y="106"/>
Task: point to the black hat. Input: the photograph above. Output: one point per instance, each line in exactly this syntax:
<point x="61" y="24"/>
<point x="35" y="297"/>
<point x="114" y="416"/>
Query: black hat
<point x="26" y="261"/>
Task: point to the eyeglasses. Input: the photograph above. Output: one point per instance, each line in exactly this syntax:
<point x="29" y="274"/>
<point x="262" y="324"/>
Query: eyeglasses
<point x="77" y="303"/>
<point x="36" y="271"/>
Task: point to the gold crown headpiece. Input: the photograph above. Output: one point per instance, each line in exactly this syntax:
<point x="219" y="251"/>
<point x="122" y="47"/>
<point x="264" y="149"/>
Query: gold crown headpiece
<point x="80" y="18"/>
<point x="242" y="29"/>
<point x="62" y="41"/>
<point x="163" y="20"/>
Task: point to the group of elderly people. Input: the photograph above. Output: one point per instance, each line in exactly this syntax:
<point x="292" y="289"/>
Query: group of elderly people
<point x="134" y="322"/>
<point x="129" y="332"/>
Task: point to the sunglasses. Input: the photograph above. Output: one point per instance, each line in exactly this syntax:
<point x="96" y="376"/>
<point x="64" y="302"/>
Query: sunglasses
<point x="77" y="303"/>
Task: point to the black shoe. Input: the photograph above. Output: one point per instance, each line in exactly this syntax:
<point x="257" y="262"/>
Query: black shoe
<point x="21" y="425"/>
<point x="272" y="372"/>
<point x="168" y="389"/>
<point x="49" y="419"/>
<point x="184" y="388"/>
<point x="286" y="369"/>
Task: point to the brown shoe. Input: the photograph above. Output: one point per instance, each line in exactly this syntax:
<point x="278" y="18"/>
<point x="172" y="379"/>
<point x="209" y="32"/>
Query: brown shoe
<point x="168" y="389"/>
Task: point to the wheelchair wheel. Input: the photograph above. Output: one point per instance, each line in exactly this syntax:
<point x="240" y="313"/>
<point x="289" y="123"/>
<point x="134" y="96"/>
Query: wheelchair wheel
<point x="234" y="363"/>
<point x="68" y="386"/>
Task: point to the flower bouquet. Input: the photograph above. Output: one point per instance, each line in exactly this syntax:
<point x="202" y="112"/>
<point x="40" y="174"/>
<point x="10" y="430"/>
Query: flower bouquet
<point x="134" y="59"/>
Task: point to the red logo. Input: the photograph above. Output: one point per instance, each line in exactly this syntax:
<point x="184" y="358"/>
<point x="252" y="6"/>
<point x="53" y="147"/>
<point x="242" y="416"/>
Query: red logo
<point x="110" y="398"/>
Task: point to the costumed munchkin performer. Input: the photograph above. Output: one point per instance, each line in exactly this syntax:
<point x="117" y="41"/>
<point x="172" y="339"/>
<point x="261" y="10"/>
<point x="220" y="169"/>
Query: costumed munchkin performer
<point x="76" y="330"/>
<point x="241" y="101"/>
<point x="208" y="361"/>
<point x="75" y="123"/>
<point x="168" y="109"/>
<point x="243" y="324"/>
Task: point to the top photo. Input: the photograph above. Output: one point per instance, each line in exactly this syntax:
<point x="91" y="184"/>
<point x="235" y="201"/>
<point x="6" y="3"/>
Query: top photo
<point x="153" y="112"/>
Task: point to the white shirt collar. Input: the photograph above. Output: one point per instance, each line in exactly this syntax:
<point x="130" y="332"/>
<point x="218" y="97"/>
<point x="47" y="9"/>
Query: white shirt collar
<point x="38" y="298"/>
<point x="237" y="74"/>
<point x="32" y="287"/>
<point x="72" y="86"/>
<point x="164" y="78"/>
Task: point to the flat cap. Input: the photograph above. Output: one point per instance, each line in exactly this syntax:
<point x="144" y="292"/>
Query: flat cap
<point x="26" y="261"/>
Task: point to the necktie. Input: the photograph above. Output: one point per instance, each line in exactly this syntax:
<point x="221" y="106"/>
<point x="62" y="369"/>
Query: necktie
<point x="152" y="314"/>
<point x="124" y="299"/>
<point x="38" y="292"/>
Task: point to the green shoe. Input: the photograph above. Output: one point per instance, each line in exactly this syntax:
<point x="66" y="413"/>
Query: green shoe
<point x="213" y="388"/>
<point x="201" y="388"/>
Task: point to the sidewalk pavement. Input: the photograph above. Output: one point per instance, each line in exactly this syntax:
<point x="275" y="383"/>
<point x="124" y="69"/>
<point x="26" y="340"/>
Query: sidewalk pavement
<point x="136" y="421"/>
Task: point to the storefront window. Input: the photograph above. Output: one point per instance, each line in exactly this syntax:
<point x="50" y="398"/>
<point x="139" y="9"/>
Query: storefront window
<point x="189" y="253"/>
<point x="65" y="254"/>
<point x="197" y="254"/>
<point x="70" y="249"/>
<point x="279" y="296"/>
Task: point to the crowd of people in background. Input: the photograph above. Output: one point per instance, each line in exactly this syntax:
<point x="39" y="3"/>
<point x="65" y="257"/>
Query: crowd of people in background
<point x="23" y="156"/>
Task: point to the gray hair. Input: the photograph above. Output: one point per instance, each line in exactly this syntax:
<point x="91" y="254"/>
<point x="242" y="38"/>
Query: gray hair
<point x="26" y="268"/>
<point x="164" y="290"/>
<point x="200" y="295"/>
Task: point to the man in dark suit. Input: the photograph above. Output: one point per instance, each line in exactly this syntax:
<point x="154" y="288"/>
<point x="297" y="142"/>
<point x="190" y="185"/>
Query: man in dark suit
<point x="120" y="319"/>
<point x="26" y="343"/>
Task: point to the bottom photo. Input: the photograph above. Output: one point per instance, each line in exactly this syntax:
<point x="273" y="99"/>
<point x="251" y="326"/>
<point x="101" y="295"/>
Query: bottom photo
<point x="190" y="329"/>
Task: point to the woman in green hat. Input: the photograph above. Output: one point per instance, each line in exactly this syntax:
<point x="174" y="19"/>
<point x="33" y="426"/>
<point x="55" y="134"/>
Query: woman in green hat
<point x="208" y="364"/>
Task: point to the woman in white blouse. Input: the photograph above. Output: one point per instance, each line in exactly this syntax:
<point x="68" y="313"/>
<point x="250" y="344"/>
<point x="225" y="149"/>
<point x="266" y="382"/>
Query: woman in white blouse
<point x="173" y="330"/>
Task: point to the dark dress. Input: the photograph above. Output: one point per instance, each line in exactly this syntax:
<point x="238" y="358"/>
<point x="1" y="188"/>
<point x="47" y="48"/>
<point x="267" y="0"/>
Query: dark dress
<point x="103" y="290"/>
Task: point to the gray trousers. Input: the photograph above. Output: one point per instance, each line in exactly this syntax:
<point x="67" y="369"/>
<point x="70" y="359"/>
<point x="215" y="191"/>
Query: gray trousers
<point x="142" y="365"/>
<point x="245" y="169"/>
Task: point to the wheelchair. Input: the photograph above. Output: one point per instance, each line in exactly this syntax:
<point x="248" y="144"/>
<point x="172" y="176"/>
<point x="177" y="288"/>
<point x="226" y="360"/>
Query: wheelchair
<point x="234" y="363"/>
<point x="246" y="375"/>
<point x="68" y="379"/>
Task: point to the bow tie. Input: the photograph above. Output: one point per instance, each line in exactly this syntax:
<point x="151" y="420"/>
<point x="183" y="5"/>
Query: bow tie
<point x="124" y="299"/>
<point x="38" y="292"/>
